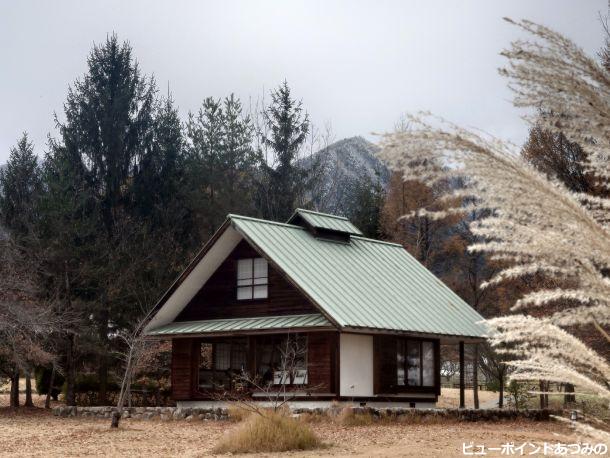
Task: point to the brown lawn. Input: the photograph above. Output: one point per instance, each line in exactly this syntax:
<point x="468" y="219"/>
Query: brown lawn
<point x="35" y="432"/>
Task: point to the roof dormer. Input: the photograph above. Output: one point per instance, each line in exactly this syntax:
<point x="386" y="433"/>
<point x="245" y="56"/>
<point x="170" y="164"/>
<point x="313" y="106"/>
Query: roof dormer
<point x="324" y="226"/>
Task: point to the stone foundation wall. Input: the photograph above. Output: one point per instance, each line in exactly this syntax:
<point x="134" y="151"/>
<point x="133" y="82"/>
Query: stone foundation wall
<point x="145" y="413"/>
<point x="221" y="413"/>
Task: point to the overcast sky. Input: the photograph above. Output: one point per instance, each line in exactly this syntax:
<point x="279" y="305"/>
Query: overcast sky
<point x="356" y="64"/>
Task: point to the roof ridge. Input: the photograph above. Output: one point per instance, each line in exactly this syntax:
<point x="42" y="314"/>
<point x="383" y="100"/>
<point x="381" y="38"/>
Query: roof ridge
<point x="266" y="221"/>
<point x="330" y="215"/>
<point x="294" y="226"/>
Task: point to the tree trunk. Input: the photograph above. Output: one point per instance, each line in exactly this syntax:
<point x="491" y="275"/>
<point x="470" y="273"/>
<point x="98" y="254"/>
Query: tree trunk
<point x="475" y="376"/>
<point x="125" y="392"/>
<point x="70" y="364"/>
<point x="70" y="372"/>
<point x="544" y="398"/>
<point x="102" y="373"/>
<point x="47" y="401"/>
<point x="501" y="394"/>
<point x="569" y="398"/>
<point x="14" y="401"/>
<point x="462" y="378"/>
<point x="28" y="389"/>
<point x="116" y="417"/>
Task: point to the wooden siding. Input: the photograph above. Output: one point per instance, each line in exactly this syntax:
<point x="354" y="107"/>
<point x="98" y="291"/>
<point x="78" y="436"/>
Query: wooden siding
<point x="218" y="297"/>
<point x="184" y="366"/>
<point x="322" y="353"/>
<point x="322" y="365"/>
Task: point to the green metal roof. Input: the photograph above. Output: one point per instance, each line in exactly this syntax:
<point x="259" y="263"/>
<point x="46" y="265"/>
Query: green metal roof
<point x="326" y="221"/>
<point x="242" y="324"/>
<point x="365" y="283"/>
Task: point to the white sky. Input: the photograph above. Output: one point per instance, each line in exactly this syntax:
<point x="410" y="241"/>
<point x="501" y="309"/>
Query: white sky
<point x="356" y="64"/>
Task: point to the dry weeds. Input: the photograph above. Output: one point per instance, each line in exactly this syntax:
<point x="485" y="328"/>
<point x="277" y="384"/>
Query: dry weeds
<point x="269" y="432"/>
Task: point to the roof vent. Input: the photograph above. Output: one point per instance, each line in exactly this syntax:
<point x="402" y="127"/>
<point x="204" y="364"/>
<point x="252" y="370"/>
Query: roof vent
<point x="324" y="226"/>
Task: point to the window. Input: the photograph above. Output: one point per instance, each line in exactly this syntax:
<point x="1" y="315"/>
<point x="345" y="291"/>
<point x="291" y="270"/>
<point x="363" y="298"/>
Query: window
<point x="221" y="361"/>
<point x="414" y="363"/>
<point x="282" y="360"/>
<point x="252" y="279"/>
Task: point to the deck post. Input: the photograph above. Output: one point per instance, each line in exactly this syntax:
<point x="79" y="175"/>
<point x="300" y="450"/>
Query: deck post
<point x="475" y="375"/>
<point x="462" y="384"/>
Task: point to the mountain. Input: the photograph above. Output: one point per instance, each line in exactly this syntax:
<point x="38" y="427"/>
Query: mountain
<point x="343" y="166"/>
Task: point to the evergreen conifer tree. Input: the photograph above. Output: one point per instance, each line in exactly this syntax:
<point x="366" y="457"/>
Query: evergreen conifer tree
<point x="20" y="188"/>
<point x="107" y="132"/>
<point x="283" y="181"/>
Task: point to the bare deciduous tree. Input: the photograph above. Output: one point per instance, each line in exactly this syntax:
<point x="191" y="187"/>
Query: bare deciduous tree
<point x="26" y="320"/>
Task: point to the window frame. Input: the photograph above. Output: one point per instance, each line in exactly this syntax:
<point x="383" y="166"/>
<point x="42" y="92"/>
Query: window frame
<point x="276" y="342"/>
<point x="435" y="376"/>
<point x="251" y="286"/>
<point x="234" y="343"/>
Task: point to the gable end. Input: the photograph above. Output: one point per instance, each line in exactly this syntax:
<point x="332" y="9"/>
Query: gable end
<point x="217" y="298"/>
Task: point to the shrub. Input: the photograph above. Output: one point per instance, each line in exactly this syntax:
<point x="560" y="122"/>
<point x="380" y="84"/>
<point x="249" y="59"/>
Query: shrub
<point x="268" y="432"/>
<point x="86" y="383"/>
<point x="348" y="417"/>
<point x="519" y="394"/>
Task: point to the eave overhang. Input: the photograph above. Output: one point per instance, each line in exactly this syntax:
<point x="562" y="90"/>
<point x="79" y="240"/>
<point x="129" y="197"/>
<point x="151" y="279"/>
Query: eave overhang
<point x="234" y="326"/>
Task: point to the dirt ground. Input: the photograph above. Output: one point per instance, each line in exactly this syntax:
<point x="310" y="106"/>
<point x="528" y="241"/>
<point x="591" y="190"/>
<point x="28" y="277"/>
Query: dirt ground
<point x="35" y="432"/>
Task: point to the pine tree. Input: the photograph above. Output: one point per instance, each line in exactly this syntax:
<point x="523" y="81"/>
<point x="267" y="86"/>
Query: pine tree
<point x="159" y="192"/>
<point x="205" y="143"/>
<point x="106" y="134"/>
<point x="239" y="157"/>
<point x="69" y="231"/>
<point x="221" y="162"/>
<point x="283" y="181"/>
<point x="20" y="189"/>
<point x="364" y="203"/>
<point x="108" y="127"/>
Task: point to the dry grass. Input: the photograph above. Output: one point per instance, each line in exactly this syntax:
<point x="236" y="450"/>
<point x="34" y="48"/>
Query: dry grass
<point x="450" y="398"/>
<point x="269" y="432"/>
<point x="347" y="417"/>
<point x="313" y="417"/>
<point x="237" y="413"/>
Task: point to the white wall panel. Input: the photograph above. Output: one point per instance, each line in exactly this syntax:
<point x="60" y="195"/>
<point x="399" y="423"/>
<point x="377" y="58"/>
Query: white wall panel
<point x="356" y="365"/>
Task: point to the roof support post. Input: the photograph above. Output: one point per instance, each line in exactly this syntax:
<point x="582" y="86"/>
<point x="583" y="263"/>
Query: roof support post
<point x="462" y="384"/>
<point x="475" y="375"/>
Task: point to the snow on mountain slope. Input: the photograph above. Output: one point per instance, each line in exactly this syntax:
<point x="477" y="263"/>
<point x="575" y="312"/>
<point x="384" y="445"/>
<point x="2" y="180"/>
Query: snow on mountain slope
<point x="342" y="164"/>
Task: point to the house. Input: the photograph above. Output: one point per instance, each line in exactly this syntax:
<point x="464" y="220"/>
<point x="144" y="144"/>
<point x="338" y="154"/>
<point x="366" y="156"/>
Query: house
<point x="370" y="317"/>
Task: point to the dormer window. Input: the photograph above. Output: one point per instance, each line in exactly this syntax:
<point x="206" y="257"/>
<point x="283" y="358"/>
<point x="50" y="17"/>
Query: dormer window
<point x="252" y="279"/>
